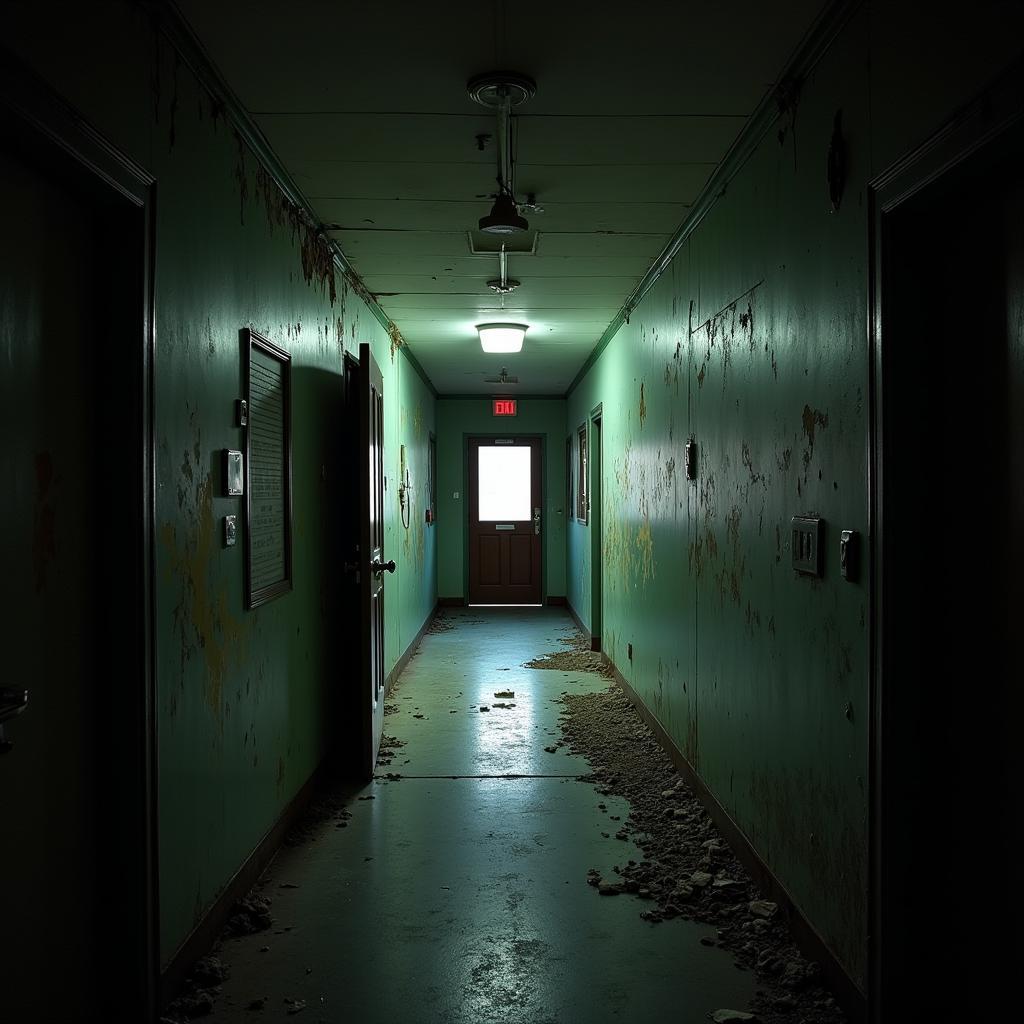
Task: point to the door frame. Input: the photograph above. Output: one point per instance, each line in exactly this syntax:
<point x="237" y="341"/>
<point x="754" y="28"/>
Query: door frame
<point x="542" y="447"/>
<point x="52" y="130"/>
<point x="989" y="117"/>
<point x="595" y="456"/>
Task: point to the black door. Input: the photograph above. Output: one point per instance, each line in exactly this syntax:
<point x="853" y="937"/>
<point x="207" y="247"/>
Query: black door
<point x="368" y="564"/>
<point x="77" y="837"/>
<point x="950" y="506"/>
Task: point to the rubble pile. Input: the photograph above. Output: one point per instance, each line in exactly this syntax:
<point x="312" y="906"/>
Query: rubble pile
<point x="688" y="869"/>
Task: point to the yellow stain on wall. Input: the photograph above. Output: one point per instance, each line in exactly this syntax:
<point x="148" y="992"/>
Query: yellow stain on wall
<point x="645" y="545"/>
<point x="204" y="624"/>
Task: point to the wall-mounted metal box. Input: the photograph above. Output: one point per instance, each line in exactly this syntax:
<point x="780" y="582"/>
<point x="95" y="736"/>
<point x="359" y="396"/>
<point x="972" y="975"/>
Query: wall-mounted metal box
<point x="233" y="474"/>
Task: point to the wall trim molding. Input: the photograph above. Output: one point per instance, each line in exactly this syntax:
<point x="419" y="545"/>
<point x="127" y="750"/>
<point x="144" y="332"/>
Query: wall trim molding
<point x="486" y="396"/>
<point x="781" y="98"/>
<point x="595" y="641"/>
<point x="404" y="660"/>
<point x="451" y="602"/>
<point x="848" y="994"/>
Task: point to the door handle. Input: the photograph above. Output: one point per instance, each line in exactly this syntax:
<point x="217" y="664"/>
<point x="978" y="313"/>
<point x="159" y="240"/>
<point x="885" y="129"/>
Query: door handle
<point x="536" y="520"/>
<point x="378" y="566"/>
<point x="12" y="702"/>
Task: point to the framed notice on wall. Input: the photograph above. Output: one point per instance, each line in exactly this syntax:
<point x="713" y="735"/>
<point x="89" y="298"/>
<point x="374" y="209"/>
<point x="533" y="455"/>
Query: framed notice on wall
<point x="268" y="465"/>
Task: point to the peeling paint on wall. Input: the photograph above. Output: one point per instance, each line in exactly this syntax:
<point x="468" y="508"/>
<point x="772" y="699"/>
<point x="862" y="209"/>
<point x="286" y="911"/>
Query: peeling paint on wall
<point x="205" y="629"/>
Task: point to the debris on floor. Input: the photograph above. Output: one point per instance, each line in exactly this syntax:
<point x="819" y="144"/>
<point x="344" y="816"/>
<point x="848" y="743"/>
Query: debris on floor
<point x="503" y="705"/>
<point x="505" y="694"/>
<point x="484" y="707"/>
<point x="387" y="748"/>
<point x="688" y="868"/>
<point x="249" y="915"/>
<point x="578" y="658"/>
<point x="440" y="623"/>
<point x="322" y="809"/>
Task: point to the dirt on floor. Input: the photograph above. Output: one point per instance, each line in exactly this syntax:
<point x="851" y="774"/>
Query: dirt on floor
<point x="441" y="623"/>
<point x="577" y="658"/>
<point x="688" y="868"/>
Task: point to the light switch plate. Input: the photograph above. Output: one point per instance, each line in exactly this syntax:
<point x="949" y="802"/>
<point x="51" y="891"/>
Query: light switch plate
<point x="805" y="542"/>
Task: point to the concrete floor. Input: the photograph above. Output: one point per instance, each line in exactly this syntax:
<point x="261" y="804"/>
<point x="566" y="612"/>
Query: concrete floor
<point x="458" y="894"/>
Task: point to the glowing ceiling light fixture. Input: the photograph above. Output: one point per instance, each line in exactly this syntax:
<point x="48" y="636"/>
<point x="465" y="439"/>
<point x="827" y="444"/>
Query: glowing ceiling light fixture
<point x="501" y="337"/>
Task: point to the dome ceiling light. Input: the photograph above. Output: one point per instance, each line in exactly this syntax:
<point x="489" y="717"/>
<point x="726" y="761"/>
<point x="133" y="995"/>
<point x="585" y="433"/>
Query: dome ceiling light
<point x="501" y="337"/>
<point x="501" y="91"/>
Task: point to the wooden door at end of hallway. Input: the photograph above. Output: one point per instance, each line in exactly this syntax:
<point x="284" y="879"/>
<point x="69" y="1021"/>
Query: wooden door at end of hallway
<point x="505" y="520"/>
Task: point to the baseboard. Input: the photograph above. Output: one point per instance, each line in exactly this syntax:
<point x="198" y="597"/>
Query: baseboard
<point x="558" y="600"/>
<point x="399" y="665"/>
<point x="595" y="641"/>
<point x="451" y="602"/>
<point x="205" y="933"/>
<point x="810" y="943"/>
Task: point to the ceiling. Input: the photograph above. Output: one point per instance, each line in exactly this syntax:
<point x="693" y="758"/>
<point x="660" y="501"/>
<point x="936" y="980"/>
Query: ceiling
<point x="366" y="106"/>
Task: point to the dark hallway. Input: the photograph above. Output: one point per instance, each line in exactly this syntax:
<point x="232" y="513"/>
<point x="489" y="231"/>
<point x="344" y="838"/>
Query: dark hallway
<point x="355" y="356"/>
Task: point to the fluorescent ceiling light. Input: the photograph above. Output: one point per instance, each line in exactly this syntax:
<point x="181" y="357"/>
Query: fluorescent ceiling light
<point x="501" y="337"/>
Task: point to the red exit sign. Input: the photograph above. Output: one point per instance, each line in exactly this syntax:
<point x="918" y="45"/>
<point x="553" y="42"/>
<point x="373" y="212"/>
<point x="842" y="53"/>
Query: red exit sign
<point x="504" y="406"/>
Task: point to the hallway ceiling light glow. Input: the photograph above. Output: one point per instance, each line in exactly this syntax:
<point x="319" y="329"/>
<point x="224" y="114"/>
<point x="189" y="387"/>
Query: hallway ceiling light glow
<point x="501" y="337"/>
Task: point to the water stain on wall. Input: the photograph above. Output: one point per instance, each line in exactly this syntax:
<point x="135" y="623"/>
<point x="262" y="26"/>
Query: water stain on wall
<point x="645" y="547"/>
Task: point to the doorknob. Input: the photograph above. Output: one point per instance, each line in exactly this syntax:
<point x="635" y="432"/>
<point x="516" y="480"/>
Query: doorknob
<point x="12" y="702"/>
<point x="536" y="520"/>
<point x="378" y="566"/>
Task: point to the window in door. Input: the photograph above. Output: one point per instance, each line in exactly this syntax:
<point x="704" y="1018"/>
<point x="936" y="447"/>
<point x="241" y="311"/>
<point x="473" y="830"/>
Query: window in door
<point x="568" y="476"/>
<point x="504" y="484"/>
<point x="581" y="475"/>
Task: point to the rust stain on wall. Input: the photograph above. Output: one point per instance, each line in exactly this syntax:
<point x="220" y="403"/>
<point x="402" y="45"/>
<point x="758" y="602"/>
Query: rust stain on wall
<point x="813" y="419"/>
<point x="241" y="177"/>
<point x="395" y="339"/>
<point x="642" y="409"/>
<point x="730" y="579"/>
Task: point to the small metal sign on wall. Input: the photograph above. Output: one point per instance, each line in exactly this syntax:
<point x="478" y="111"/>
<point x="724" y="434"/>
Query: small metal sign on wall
<point x="268" y="464"/>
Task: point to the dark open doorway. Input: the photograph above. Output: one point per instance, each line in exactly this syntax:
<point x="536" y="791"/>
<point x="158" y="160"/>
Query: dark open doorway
<point x="78" y="855"/>
<point x="948" y="446"/>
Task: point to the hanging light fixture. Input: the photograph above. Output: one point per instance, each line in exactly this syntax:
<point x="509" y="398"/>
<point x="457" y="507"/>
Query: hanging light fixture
<point x="501" y="337"/>
<point x="501" y="91"/>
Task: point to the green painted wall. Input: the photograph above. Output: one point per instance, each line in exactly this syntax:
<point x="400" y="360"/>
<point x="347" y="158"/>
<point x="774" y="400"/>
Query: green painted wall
<point x="755" y="343"/>
<point x="458" y="418"/>
<point x="242" y="695"/>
